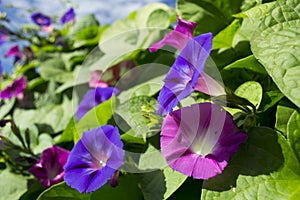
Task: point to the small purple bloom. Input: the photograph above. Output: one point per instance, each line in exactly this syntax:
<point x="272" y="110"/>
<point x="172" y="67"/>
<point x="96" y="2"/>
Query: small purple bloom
<point x="40" y="19"/>
<point x="15" y="51"/>
<point x="177" y="38"/>
<point x="182" y="78"/>
<point x="199" y="140"/>
<point x="49" y="170"/>
<point x="14" y="90"/>
<point x="69" y="16"/>
<point x="94" y="159"/>
<point x="92" y="98"/>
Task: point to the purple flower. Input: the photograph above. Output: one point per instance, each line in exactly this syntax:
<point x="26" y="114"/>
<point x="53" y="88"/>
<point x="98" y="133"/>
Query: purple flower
<point x="182" y="78"/>
<point x="40" y="19"/>
<point x="49" y="170"/>
<point x="92" y="98"/>
<point x="177" y="38"/>
<point x="199" y="140"/>
<point x="68" y="16"/>
<point x="14" y="90"/>
<point x="14" y="51"/>
<point x="94" y="159"/>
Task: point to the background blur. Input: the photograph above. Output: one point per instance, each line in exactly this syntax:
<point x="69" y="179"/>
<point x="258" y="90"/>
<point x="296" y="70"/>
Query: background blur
<point x="19" y="11"/>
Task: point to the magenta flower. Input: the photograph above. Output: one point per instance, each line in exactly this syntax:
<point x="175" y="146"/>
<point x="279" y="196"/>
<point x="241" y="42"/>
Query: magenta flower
<point x="94" y="159"/>
<point x="15" y="51"/>
<point x="177" y="38"/>
<point x="69" y="16"/>
<point x="41" y="19"/>
<point x="199" y="140"/>
<point x="182" y="78"/>
<point x="49" y="170"/>
<point x="14" y="90"/>
<point x="92" y="98"/>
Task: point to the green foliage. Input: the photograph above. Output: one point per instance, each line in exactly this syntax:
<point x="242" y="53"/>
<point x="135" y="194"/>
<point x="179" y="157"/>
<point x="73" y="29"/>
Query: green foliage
<point x="276" y="45"/>
<point x="264" y="168"/>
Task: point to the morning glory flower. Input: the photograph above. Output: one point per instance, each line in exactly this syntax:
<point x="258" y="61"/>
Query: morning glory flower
<point x="14" y="90"/>
<point x="182" y="78"/>
<point x="94" y="159"/>
<point x="41" y="19"/>
<point x="68" y="16"/>
<point x="92" y="98"/>
<point x="95" y="80"/>
<point x="177" y="38"/>
<point x="49" y="170"/>
<point x="199" y="140"/>
<point x="15" y="51"/>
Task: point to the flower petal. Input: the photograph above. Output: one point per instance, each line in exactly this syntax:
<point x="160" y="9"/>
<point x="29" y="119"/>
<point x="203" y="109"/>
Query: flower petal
<point x="40" y="19"/>
<point x="177" y="38"/>
<point x="68" y="16"/>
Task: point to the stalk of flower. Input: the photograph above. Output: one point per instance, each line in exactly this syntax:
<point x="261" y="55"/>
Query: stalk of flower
<point x="187" y="72"/>
<point x="14" y="90"/>
<point x="94" y="159"/>
<point x="49" y="170"/>
<point x="68" y="17"/>
<point x="199" y="140"/>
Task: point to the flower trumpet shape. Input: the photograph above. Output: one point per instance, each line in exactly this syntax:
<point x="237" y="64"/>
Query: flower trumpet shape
<point x="199" y="140"/>
<point x="94" y="159"/>
<point x="41" y="19"/>
<point x="49" y="170"/>
<point x="69" y="16"/>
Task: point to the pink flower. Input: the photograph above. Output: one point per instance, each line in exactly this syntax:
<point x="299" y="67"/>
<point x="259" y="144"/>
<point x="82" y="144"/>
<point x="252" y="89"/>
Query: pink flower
<point x="199" y="140"/>
<point x="14" y="90"/>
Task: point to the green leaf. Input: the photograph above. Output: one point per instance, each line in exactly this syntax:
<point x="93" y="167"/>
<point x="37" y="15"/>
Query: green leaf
<point x="53" y="117"/>
<point x="54" y="69"/>
<point x="252" y="91"/>
<point x="293" y="133"/>
<point x="283" y="115"/>
<point x="211" y="16"/>
<point x="68" y="133"/>
<point x="6" y="107"/>
<point x="61" y="191"/>
<point x="225" y="37"/>
<point x="12" y="185"/>
<point x="161" y="184"/>
<point x="264" y="168"/>
<point x="127" y="189"/>
<point x="94" y="118"/>
<point x="276" y="45"/>
<point x="249" y="63"/>
<point x="83" y="23"/>
<point x="139" y="113"/>
<point x="269" y="99"/>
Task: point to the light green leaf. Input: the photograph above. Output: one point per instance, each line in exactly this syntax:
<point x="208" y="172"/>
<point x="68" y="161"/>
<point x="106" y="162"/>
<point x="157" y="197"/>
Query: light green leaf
<point x="276" y="45"/>
<point x="269" y="99"/>
<point x="264" y="168"/>
<point x="211" y="16"/>
<point x="83" y="23"/>
<point x="54" y="69"/>
<point x="252" y="91"/>
<point x="293" y="133"/>
<point x="283" y="115"/>
<point x="12" y="185"/>
<point x="249" y="63"/>
<point x="225" y="37"/>
<point x="94" y="118"/>
<point x="61" y="191"/>
<point x="6" y="107"/>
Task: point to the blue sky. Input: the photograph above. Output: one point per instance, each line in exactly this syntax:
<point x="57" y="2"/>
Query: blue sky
<point x="106" y="11"/>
